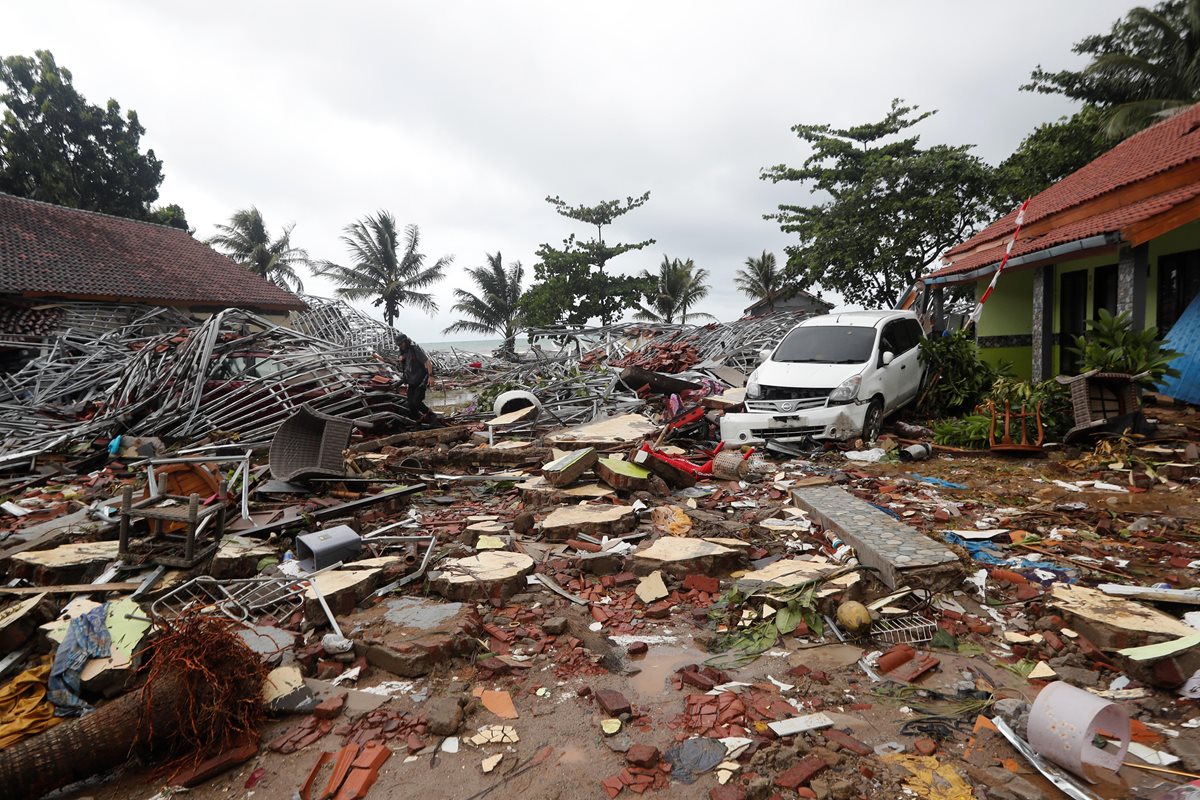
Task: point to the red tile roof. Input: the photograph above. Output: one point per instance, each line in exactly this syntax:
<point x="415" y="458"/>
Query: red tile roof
<point x="52" y="251"/>
<point x="1164" y="147"/>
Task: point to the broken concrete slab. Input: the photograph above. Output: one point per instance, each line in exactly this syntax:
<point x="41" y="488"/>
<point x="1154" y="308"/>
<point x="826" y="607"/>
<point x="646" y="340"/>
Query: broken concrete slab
<point x="622" y="475"/>
<point x="1114" y="623"/>
<point x="238" y="557"/>
<point x="409" y="636"/>
<point x="495" y="573"/>
<point x="625" y="429"/>
<point x="681" y="556"/>
<point x="66" y="563"/>
<point x="785" y="573"/>
<point x="652" y="588"/>
<point x="566" y="469"/>
<point x="536" y="492"/>
<point x="900" y="554"/>
<point x="596" y="520"/>
<point x="343" y="589"/>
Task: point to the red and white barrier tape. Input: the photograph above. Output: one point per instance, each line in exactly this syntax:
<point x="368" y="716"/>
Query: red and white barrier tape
<point x="978" y="310"/>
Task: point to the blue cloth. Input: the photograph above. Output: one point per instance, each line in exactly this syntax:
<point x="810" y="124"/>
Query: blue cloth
<point x="985" y="553"/>
<point x="937" y="481"/>
<point x="87" y="637"/>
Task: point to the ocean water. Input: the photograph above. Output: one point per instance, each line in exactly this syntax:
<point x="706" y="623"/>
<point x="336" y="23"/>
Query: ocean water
<point x="480" y="346"/>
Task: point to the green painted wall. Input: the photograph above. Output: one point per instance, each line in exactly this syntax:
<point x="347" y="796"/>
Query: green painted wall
<point x="1008" y="311"/>
<point x="1020" y="358"/>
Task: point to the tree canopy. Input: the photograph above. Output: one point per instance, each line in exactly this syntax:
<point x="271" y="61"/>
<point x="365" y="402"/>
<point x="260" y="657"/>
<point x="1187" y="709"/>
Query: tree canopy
<point x="762" y="279"/>
<point x="247" y="241"/>
<point x="677" y="287"/>
<point x="496" y="309"/>
<point x="58" y="148"/>
<point x="1051" y="152"/>
<point x="1147" y="66"/>
<point x="892" y="206"/>
<point x="384" y="269"/>
<point x="571" y="286"/>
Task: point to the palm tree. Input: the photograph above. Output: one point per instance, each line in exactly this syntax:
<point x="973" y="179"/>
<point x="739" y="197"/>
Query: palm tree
<point x="494" y="310"/>
<point x="246" y="240"/>
<point x="1164" y="72"/>
<point x="677" y="286"/>
<point x="761" y="280"/>
<point x="383" y="270"/>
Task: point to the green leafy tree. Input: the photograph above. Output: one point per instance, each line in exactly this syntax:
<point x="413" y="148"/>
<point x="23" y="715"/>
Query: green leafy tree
<point x="247" y="241"/>
<point x="762" y="279"/>
<point x="571" y="285"/>
<point x="384" y="268"/>
<point x="892" y="207"/>
<point x="1050" y="153"/>
<point x="496" y="309"/>
<point x="1146" y="67"/>
<point x="57" y="147"/>
<point x="172" y="216"/>
<point x="677" y="287"/>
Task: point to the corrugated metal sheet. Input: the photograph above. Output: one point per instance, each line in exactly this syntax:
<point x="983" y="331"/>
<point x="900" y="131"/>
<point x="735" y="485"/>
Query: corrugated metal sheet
<point x="1184" y="337"/>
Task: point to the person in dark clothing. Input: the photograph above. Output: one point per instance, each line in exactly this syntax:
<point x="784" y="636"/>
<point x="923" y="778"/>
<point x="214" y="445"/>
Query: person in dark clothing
<point x="418" y="368"/>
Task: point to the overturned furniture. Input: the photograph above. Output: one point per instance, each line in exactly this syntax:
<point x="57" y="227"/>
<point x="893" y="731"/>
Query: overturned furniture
<point x="185" y="536"/>
<point x="1102" y="402"/>
<point x="309" y="444"/>
<point x="1022" y="418"/>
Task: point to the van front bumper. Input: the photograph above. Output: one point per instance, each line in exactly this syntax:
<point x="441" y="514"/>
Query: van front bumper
<point x="835" y="422"/>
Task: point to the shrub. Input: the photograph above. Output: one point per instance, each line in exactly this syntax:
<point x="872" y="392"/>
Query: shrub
<point x="1111" y="345"/>
<point x="956" y="378"/>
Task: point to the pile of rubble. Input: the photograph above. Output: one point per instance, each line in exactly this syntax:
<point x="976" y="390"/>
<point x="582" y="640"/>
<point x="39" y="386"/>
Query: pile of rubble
<point x="569" y="591"/>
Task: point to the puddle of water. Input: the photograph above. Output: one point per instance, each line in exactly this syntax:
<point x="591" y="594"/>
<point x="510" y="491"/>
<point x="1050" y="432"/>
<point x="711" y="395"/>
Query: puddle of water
<point x="658" y="665"/>
<point x="573" y="754"/>
<point x="449" y="398"/>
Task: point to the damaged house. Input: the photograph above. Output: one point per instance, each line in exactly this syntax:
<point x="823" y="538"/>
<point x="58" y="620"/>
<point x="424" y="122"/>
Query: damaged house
<point x="112" y="327"/>
<point x="1122" y="233"/>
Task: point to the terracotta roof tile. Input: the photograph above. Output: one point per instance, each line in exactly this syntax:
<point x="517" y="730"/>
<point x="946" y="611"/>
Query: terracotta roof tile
<point x="1165" y="146"/>
<point x="1092" y="226"/>
<point x="49" y="250"/>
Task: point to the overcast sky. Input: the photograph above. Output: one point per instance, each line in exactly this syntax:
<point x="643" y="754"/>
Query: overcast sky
<point x="462" y="117"/>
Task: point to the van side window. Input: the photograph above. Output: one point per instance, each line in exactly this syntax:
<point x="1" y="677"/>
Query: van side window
<point x="915" y="331"/>
<point x="893" y="339"/>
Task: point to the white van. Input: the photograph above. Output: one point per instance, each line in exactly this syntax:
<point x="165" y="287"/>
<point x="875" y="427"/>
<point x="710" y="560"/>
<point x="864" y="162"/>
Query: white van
<point x="835" y="376"/>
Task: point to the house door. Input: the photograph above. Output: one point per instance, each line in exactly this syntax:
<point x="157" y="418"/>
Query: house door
<point x="1178" y="285"/>
<point x="1104" y="290"/>
<point x="1072" y="316"/>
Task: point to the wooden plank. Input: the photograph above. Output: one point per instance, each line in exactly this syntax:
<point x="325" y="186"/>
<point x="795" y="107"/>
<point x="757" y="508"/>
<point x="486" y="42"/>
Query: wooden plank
<point x="68" y="588"/>
<point x="1177" y="215"/>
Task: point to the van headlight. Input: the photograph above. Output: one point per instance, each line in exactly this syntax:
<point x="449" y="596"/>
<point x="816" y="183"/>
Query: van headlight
<point x="753" y="390"/>
<point x="847" y="392"/>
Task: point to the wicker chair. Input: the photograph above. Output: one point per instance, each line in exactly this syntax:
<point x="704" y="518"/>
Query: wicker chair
<point x="1099" y="398"/>
<point x="309" y="444"/>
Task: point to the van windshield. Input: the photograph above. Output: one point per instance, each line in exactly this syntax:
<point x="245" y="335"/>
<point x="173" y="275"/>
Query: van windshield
<point x="827" y="344"/>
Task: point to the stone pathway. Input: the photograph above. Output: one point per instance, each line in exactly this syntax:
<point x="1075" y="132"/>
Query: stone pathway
<point x="900" y="553"/>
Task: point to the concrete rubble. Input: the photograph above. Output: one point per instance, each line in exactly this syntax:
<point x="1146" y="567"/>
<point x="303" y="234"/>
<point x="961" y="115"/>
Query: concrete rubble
<point x="527" y="609"/>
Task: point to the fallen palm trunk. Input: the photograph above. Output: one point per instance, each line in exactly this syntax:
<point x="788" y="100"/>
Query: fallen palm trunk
<point x="202" y="695"/>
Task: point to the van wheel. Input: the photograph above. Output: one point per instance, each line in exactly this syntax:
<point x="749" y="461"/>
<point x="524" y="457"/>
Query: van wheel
<point x="873" y="422"/>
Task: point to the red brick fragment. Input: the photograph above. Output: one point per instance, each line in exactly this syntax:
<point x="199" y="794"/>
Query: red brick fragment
<point x="642" y="755"/>
<point x="925" y="746"/>
<point x="801" y="772"/>
<point x="847" y="742"/>
<point x="330" y="707"/>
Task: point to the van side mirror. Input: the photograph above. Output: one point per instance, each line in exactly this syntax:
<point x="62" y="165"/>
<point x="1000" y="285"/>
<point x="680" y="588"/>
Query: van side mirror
<point x="763" y="355"/>
<point x="887" y="357"/>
